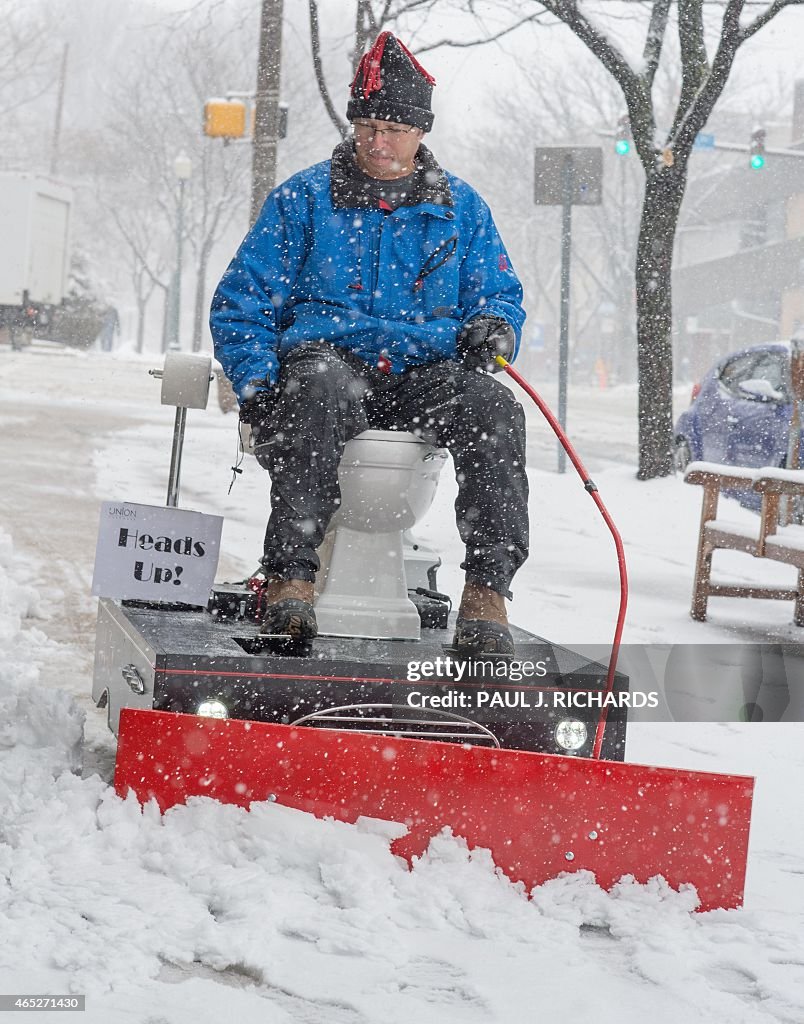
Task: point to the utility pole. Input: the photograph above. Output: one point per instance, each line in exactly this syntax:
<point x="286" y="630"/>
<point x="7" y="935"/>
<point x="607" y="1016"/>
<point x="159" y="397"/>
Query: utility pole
<point x="54" y="152"/>
<point x="266" y="117"/>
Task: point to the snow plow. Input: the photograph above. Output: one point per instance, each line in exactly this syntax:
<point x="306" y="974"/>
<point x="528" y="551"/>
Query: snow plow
<point x="525" y="758"/>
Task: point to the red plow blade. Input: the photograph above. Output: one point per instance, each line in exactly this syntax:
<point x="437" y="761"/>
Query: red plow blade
<point x="538" y="814"/>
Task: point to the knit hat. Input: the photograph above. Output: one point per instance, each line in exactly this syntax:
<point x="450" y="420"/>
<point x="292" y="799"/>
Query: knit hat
<point x="391" y="85"/>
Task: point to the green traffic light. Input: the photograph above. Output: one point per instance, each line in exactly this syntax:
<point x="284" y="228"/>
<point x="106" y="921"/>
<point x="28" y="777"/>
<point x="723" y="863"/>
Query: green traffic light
<point x="757" y="161"/>
<point x="622" y="147"/>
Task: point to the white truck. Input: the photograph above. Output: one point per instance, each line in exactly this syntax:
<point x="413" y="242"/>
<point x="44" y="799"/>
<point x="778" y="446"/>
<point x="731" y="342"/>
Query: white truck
<point x="34" y="252"/>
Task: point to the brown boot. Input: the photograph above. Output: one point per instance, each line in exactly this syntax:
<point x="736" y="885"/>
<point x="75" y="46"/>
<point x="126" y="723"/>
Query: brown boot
<point x="289" y="609"/>
<point x="482" y="626"/>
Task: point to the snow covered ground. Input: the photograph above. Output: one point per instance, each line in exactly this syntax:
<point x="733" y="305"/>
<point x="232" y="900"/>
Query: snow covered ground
<point x="273" y="916"/>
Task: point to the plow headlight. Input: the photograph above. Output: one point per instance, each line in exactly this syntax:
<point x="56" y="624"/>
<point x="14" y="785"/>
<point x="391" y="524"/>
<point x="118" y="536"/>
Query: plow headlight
<point x="212" y="709"/>
<point x="571" y="733"/>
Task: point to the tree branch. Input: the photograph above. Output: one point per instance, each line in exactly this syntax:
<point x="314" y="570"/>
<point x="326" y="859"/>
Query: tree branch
<point x="602" y="48"/>
<point x="315" y="40"/>
<point x="635" y="91"/>
<point x="694" y="61"/>
<point x="765" y="17"/>
<point x="366" y="26"/>
<point x="694" y="66"/>
<point x="690" y="121"/>
<point x="384" y="15"/>
<point x="135" y="247"/>
<point x="652" y="50"/>
<point x="458" y="44"/>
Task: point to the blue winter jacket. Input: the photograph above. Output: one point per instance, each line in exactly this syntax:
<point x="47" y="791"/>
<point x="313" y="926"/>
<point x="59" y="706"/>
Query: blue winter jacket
<point x="323" y="262"/>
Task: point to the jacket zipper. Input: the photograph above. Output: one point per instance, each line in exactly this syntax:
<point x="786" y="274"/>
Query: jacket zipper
<point x="440" y="255"/>
<point x="375" y="270"/>
<point x="357" y="283"/>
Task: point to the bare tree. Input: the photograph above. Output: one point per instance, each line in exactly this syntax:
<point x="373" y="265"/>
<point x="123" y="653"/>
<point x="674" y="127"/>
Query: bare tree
<point x="709" y="37"/>
<point x="141" y="104"/>
<point x="664" y="155"/>
<point x="157" y="112"/>
<point x="147" y="262"/>
<point x="27" y="67"/>
<point x="206" y="56"/>
<point x="542" y="113"/>
<point x="28" y="85"/>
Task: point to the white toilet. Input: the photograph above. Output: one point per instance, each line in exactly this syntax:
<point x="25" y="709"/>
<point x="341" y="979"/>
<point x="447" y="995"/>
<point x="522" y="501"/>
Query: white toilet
<point x="388" y="480"/>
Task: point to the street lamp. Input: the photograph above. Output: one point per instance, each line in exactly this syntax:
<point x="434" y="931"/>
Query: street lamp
<point x="182" y="168"/>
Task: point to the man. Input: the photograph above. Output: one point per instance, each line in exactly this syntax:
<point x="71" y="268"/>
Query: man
<point x="374" y="291"/>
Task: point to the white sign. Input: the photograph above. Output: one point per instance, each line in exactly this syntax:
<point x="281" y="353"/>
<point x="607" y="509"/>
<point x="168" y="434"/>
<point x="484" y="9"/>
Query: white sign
<point x="156" y="553"/>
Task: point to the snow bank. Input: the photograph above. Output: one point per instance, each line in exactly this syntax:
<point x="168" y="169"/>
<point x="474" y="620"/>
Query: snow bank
<point x="33" y="717"/>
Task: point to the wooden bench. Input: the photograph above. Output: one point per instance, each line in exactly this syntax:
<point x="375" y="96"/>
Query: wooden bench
<point x="769" y="538"/>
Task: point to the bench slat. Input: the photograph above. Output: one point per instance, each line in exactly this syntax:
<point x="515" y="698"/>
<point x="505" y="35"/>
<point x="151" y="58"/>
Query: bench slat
<point x="769" y="540"/>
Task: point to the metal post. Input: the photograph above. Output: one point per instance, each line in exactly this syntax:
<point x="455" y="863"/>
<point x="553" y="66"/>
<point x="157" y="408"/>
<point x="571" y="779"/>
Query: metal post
<point x="187" y="381"/>
<point x="563" y="341"/>
<point x="175" y="457"/>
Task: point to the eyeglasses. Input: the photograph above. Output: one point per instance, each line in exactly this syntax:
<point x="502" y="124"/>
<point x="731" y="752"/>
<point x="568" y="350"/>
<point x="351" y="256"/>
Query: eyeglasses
<point x="368" y="129"/>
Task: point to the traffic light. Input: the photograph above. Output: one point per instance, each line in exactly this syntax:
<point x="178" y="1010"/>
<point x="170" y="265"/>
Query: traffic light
<point x="757" y="149"/>
<point x="232" y="119"/>
<point x="282" y="127"/>
<point x="225" y="119"/>
<point x="622" y="141"/>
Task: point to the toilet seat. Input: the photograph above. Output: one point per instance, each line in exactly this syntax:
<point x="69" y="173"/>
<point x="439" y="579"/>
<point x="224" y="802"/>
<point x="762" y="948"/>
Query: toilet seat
<point x="399" y="436"/>
<point x="388" y="480"/>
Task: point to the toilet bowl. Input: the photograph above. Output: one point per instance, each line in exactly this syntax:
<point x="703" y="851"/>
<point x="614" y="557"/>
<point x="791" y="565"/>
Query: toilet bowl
<point x="388" y="481"/>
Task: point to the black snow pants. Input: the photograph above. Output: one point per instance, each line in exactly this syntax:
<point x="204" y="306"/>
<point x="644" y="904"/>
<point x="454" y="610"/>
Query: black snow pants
<point x="328" y="396"/>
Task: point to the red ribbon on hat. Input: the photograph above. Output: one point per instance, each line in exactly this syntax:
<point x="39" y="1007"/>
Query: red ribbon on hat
<point x="371" y="60"/>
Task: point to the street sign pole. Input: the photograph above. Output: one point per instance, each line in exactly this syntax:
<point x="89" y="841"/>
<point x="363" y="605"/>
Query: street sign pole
<point x="567" y="176"/>
<point x="563" y="340"/>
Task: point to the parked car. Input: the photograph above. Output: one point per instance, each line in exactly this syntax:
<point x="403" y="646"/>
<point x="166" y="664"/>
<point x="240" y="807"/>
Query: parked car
<point x="740" y="411"/>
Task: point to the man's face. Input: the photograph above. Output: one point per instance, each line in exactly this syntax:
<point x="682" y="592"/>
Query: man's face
<point x="385" y="149"/>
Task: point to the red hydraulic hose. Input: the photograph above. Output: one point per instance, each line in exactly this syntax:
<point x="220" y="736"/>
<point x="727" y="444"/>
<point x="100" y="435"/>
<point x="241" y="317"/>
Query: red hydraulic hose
<point x="595" y="495"/>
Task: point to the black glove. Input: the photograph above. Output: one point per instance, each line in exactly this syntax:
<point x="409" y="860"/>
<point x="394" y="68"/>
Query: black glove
<point x="258" y="409"/>
<point x="484" y="338"/>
